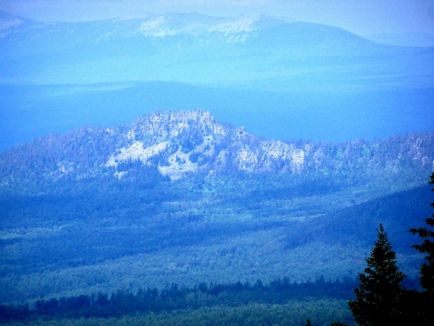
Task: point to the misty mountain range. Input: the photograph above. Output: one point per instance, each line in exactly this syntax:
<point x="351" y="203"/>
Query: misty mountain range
<point x="99" y="192"/>
<point x="280" y="78"/>
<point x="253" y="52"/>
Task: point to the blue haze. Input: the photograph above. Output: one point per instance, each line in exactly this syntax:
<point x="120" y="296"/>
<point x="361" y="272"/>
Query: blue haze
<point x="187" y="198"/>
<point x="278" y="78"/>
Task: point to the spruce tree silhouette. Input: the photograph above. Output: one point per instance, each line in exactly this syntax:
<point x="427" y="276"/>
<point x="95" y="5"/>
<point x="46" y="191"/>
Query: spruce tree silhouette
<point x="427" y="269"/>
<point x="377" y="301"/>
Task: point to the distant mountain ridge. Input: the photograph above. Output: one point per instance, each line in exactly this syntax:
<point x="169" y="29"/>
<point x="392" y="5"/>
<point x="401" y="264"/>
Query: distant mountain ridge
<point x="193" y="48"/>
<point x="404" y="39"/>
<point x="178" y="145"/>
<point x="240" y="68"/>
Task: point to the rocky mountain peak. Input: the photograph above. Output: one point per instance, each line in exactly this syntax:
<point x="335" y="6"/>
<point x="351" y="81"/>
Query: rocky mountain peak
<point x="166" y="125"/>
<point x="177" y="145"/>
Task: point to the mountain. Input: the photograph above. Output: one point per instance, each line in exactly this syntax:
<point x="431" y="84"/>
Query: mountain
<point x="280" y="78"/>
<point x="197" y="49"/>
<point x="179" y="145"/>
<point x="404" y="39"/>
<point x="181" y="197"/>
<point x="32" y="111"/>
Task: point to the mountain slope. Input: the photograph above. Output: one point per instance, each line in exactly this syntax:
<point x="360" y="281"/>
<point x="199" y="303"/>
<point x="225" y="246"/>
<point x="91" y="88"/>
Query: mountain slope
<point x="180" y="197"/>
<point x="323" y="81"/>
<point x="208" y="50"/>
<point x="192" y="143"/>
<point x="134" y="235"/>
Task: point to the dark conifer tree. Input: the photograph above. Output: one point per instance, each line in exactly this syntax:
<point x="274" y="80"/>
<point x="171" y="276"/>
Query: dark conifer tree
<point x="426" y="233"/>
<point x="427" y="248"/>
<point x="378" y="296"/>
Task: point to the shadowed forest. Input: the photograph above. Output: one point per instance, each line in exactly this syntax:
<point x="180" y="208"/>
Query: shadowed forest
<point x="381" y="297"/>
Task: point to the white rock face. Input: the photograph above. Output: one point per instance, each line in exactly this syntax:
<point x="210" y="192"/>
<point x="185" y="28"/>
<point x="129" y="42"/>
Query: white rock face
<point x="161" y="126"/>
<point x="236" y="26"/>
<point x="136" y="152"/>
<point x="232" y="29"/>
<point x="120" y="174"/>
<point x="297" y="160"/>
<point x="181" y="144"/>
<point x="236" y="30"/>
<point x="131" y="134"/>
<point x="247" y="160"/>
<point x="179" y="165"/>
<point x="156" y="27"/>
<point x="184" y="143"/>
<point x="179" y="136"/>
<point x="207" y="147"/>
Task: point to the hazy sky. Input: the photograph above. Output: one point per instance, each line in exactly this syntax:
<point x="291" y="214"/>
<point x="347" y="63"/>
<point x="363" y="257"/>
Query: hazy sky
<point x="359" y="16"/>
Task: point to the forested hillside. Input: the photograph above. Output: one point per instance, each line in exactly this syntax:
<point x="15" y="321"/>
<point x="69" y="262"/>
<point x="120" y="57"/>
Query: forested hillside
<point x="181" y="198"/>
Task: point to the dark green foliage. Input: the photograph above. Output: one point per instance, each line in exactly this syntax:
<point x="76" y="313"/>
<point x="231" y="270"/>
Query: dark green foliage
<point x="421" y="304"/>
<point x="122" y="236"/>
<point x="293" y="313"/>
<point x="427" y="248"/>
<point x="379" y="293"/>
<point x="174" y="298"/>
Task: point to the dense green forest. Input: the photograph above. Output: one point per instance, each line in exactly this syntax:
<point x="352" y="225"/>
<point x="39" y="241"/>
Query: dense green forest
<point x="381" y="297"/>
<point x="126" y="237"/>
<point x="173" y="299"/>
<point x="292" y="313"/>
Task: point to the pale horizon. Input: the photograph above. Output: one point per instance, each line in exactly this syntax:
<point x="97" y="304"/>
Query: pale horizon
<point x="363" y="18"/>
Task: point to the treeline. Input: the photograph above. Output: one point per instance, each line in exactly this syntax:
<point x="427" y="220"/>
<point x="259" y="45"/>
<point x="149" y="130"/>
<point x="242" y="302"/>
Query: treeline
<point x="176" y="298"/>
<point x="381" y="297"/>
